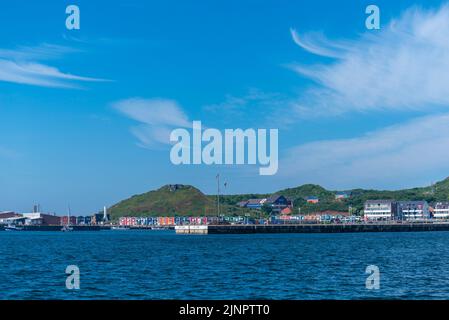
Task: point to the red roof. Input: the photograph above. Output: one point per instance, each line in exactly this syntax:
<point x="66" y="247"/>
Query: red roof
<point x="286" y="211"/>
<point x="6" y="215"/>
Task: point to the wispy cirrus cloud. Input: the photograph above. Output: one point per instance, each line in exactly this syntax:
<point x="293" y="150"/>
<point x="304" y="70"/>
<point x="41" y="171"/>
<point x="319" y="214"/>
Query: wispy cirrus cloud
<point x="317" y="43"/>
<point x="44" y="51"/>
<point x="398" y="156"/>
<point x="156" y="118"/>
<point x="404" y="66"/>
<point x="23" y="65"/>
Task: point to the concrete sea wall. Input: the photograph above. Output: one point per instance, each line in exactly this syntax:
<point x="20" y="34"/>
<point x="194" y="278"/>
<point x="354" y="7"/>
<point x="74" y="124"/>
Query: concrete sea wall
<point x="312" y="228"/>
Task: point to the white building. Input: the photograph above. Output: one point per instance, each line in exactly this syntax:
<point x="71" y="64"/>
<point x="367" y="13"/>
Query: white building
<point x="34" y="218"/>
<point x="441" y="210"/>
<point x="379" y="210"/>
<point x="38" y="218"/>
<point x="13" y="220"/>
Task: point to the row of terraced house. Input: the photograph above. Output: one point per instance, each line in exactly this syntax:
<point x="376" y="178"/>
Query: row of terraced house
<point x="165" y="221"/>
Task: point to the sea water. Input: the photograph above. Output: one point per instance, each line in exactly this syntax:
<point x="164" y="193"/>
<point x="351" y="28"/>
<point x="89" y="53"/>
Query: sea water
<point x="162" y="265"/>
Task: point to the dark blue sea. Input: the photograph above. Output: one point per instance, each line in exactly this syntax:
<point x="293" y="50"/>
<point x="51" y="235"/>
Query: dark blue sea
<point x="163" y="265"/>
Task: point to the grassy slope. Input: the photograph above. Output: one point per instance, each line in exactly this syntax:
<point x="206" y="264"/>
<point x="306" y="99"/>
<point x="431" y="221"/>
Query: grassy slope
<point x="190" y="201"/>
<point x="185" y="201"/>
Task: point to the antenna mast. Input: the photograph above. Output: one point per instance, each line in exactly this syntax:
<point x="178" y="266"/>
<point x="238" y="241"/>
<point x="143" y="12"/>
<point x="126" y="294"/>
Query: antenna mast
<point x="218" y="195"/>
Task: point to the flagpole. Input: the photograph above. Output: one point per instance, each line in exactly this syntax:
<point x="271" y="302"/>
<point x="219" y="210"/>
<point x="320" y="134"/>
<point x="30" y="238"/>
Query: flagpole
<point x="218" y="196"/>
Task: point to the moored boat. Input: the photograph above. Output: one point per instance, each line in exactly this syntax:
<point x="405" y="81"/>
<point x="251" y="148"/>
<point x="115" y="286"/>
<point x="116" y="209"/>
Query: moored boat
<point x="67" y="227"/>
<point x="13" y="228"/>
<point x="119" y="228"/>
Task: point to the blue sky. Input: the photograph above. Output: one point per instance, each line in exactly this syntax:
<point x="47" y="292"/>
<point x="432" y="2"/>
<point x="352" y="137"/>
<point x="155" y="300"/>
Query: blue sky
<point x="371" y="114"/>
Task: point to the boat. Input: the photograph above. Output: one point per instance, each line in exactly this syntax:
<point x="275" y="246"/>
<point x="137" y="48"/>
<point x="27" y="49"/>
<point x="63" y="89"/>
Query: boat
<point x="13" y="228"/>
<point x="119" y="228"/>
<point x="67" y="228"/>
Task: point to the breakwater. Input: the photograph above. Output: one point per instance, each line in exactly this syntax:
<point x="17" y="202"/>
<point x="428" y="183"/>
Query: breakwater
<point x="312" y="228"/>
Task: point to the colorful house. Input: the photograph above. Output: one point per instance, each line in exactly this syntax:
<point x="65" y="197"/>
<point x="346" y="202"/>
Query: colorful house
<point x="342" y="195"/>
<point x="255" y="203"/>
<point x="80" y="220"/>
<point x="312" y="199"/>
<point x="65" y="219"/>
<point x="286" y="211"/>
<point x="277" y="203"/>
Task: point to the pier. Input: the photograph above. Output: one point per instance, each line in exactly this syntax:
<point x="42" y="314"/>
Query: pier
<point x="311" y="228"/>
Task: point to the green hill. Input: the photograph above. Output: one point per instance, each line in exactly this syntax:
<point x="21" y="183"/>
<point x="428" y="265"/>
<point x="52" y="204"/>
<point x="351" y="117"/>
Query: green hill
<point x="169" y="200"/>
<point x="436" y="192"/>
<point x="326" y="197"/>
<point x="173" y="200"/>
<point x="185" y="200"/>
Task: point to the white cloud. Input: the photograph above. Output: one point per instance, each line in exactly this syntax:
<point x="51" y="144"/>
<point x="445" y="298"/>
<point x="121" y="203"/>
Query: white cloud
<point x="153" y="111"/>
<point x="44" y="51"/>
<point x="397" y="156"/>
<point x="157" y="117"/>
<point x="21" y="66"/>
<point x="316" y="43"/>
<point x="404" y="66"/>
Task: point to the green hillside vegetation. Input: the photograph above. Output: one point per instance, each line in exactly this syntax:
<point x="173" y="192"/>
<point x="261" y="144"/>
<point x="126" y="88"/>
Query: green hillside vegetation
<point x="327" y="199"/>
<point x="437" y="192"/>
<point x="172" y="200"/>
<point x="185" y="200"/>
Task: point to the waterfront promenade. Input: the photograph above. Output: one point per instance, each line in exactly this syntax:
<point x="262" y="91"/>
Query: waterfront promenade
<point x="312" y="228"/>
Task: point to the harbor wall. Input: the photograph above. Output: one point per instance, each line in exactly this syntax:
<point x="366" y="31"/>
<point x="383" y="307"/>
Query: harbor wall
<point x="191" y="229"/>
<point x="57" y="228"/>
<point x="312" y="228"/>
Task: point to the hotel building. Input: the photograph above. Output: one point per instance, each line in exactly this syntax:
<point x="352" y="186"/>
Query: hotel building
<point x="412" y="210"/>
<point x="441" y="210"/>
<point x="379" y="209"/>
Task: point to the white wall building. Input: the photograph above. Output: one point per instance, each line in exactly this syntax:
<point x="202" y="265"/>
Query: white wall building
<point x="441" y="210"/>
<point x="379" y="210"/>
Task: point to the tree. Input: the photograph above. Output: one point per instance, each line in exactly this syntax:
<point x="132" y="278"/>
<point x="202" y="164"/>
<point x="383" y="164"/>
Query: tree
<point x="266" y="209"/>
